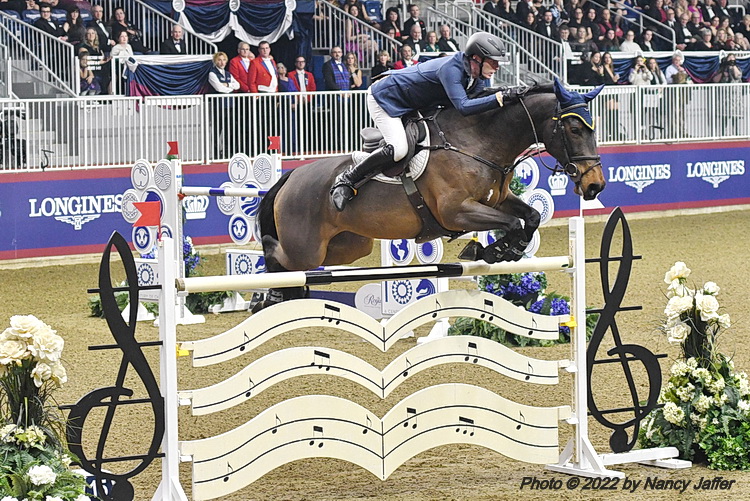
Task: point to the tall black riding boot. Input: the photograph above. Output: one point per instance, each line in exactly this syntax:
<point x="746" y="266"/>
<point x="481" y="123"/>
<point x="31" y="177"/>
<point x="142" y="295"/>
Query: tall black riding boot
<point x="346" y="184"/>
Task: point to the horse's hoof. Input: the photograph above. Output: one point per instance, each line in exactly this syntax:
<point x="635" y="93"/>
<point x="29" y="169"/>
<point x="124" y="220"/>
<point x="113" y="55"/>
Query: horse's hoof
<point x="472" y="251"/>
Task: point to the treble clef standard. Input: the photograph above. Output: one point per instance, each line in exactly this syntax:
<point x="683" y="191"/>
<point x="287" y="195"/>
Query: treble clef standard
<point x="111" y="396"/>
<point x="620" y="440"/>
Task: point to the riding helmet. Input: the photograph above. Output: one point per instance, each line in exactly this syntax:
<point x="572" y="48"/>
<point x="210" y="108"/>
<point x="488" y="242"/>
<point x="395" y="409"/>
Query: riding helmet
<point x="484" y="44"/>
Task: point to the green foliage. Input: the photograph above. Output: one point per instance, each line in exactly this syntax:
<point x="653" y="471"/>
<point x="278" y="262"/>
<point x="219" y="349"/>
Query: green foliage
<point x="200" y="302"/>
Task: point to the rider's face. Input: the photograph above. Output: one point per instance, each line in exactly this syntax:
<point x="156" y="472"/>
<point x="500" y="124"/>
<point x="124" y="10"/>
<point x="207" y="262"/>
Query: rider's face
<point x="489" y="67"/>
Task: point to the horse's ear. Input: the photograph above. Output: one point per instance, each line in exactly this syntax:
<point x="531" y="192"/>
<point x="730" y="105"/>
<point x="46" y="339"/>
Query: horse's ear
<point x="589" y="96"/>
<point x="561" y="92"/>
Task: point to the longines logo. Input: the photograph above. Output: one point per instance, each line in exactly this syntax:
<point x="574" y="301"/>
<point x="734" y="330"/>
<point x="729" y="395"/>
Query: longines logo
<point x="639" y="176"/>
<point x="716" y="172"/>
<point x="75" y="211"/>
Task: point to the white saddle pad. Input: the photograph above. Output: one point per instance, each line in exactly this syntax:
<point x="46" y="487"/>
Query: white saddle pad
<point x="416" y="165"/>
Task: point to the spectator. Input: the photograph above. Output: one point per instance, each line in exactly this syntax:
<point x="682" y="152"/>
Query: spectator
<point x="741" y="42"/>
<point x="523" y="8"/>
<point x="222" y="82"/>
<point x="656" y="10"/>
<point x="583" y="45"/>
<point x="123" y="49"/>
<point x="47" y="25"/>
<point x="714" y="25"/>
<point x="683" y="35"/>
<point x="390" y="46"/>
<point x="577" y="22"/>
<point x="357" y="40"/>
<point x="431" y="44"/>
<point x="73" y="27"/>
<point x="547" y="27"/>
<point x="415" y="40"/>
<point x="722" y="11"/>
<point x="704" y="42"/>
<point x="722" y="41"/>
<point x="657" y="77"/>
<point x="610" y="77"/>
<point x="303" y="80"/>
<point x="103" y="32"/>
<point x="707" y="9"/>
<point x="724" y="25"/>
<point x="593" y="72"/>
<point x="446" y="43"/>
<point x="607" y="23"/>
<point x="384" y="64"/>
<point x="728" y="71"/>
<point x="629" y="45"/>
<point x="675" y="73"/>
<point x="361" y="13"/>
<point x="413" y="19"/>
<point x="335" y="74"/>
<point x="695" y="10"/>
<point x="559" y="14"/>
<point x="356" y="81"/>
<point x="98" y="62"/>
<point x="119" y="23"/>
<point x="610" y="42"/>
<point x="406" y="60"/>
<point x="680" y="8"/>
<point x="392" y="20"/>
<point x="90" y="85"/>
<point x="744" y="26"/>
<point x="596" y="34"/>
<point x="239" y="66"/>
<point x="530" y="22"/>
<point x="262" y="77"/>
<point x="671" y="23"/>
<point x="285" y="83"/>
<point x="175" y="44"/>
<point x="696" y="26"/>
<point x="506" y="11"/>
<point x="13" y="5"/>
<point x="492" y="7"/>
<point x="639" y="74"/>
<point x="647" y="41"/>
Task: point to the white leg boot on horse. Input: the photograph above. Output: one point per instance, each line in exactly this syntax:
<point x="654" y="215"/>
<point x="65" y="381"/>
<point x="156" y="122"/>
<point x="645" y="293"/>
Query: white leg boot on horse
<point x="348" y="182"/>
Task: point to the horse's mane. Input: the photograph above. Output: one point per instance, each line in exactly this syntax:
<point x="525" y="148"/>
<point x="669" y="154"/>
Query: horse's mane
<point x="545" y="88"/>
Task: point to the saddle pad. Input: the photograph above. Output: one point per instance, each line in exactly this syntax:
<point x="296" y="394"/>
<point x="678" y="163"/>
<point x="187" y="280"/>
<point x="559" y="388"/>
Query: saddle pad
<point x="416" y="165"/>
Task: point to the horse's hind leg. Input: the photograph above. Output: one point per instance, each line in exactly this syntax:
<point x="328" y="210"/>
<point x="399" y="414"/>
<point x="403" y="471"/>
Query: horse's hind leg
<point x="347" y="247"/>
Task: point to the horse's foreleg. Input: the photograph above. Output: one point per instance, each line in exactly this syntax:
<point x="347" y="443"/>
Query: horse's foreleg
<point x="518" y="208"/>
<point x="475" y="216"/>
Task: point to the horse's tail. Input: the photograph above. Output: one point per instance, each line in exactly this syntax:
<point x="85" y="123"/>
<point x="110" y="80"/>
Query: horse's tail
<point x="265" y="212"/>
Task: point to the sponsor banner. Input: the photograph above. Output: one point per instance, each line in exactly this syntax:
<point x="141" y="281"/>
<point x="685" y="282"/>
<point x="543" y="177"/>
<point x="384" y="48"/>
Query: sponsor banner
<point x="74" y="212"/>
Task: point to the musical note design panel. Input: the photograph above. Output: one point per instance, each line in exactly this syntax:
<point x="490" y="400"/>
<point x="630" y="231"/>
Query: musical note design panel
<point x="332" y="427"/>
<point x="293" y="362"/>
<point x="305" y="313"/>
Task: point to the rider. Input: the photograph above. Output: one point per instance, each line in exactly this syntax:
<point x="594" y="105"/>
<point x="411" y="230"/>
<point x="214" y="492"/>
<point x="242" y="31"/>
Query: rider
<point x="439" y="82"/>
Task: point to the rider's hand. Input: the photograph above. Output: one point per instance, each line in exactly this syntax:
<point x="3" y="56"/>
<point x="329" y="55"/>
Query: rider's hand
<point x="499" y="97"/>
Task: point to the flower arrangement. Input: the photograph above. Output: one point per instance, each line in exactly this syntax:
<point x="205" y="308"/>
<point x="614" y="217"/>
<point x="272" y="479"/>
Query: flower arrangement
<point x="34" y="464"/>
<point x="527" y="290"/>
<point x="706" y="412"/>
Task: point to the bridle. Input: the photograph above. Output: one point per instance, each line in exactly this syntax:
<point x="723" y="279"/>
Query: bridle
<point x="571" y="167"/>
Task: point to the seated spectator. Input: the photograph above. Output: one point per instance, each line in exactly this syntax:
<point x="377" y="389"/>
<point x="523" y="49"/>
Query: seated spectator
<point x="119" y="23"/>
<point x="657" y="77"/>
<point x="683" y="35"/>
<point x="174" y="45"/>
<point x="610" y="77"/>
<point x="506" y="11"/>
<point x="722" y="41"/>
<point x="547" y="26"/>
<point x="583" y="45"/>
<point x="610" y="42"/>
<point x="17" y="6"/>
<point x="123" y="49"/>
<point x="392" y="47"/>
<point x="406" y="60"/>
<point x="74" y="28"/>
<point x="392" y="20"/>
<point x="47" y="25"/>
<point x="523" y="8"/>
<point x="577" y="21"/>
<point x="741" y="42"/>
<point x="491" y="7"/>
<point x="357" y="40"/>
<point x="103" y="32"/>
<point x="415" y="40"/>
<point x="446" y="43"/>
<point x="285" y="83"/>
<point x="708" y="11"/>
<point x="680" y="8"/>
<point x="724" y="25"/>
<point x="647" y="43"/>
<point x="723" y="12"/>
<point x="675" y="73"/>
<point x="656" y="10"/>
<point x="239" y="66"/>
<point x="261" y="77"/>
<point x="98" y="61"/>
<point x="413" y="19"/>
<point x="356" y="81"/>
<point x="592" y="24"/>
<point x="303" y="80"/>
<point x="592" y="73"/>
<point x="90" y="85"/>
<point x="384" y="64"/>
<point x="639" y="74"/>
<point x="559" y="14"/>
<point x="695" y="26"/>
<point x="671" y="23"/>
<point x="607" y="23"/>
<point x="744" y="26"/>
<point x="704" y="43"/>
<point x="695" y="10"/>
<point x="335" y="73"/>
<point x="629" y="45"/>
<point x="714" y="25"/>
<point x="728" y="71"/>
<point x="361" y="13"/>
<point x="529" y="22"/>
<point x="431" y="44"/>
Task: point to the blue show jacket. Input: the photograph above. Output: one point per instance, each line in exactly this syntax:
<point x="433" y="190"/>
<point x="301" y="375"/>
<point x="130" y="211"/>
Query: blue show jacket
<point x="439" y="82"/>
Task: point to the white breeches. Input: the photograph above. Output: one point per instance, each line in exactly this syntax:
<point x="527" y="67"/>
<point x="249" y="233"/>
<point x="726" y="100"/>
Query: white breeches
<point x="391" y="128"/>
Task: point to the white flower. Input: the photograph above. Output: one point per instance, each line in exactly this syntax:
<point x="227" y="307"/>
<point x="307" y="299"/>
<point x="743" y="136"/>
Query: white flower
<point x="686" y="392"/>
<point x="744" y="405"/>
<point x="65" y="459"/>
<point x="680" y="368"/>
<point x="26" y="326"/>
<point x="707" y="305"/>
<point x="711" y="288"/>
<point x="702" y="403"/>
<point x="718" y="385"/>
<point x="744" y="385"/>
<point x="13" y="351"/>
<point x="678" y="333"/>
<point x="53" y="498"/>
<point x="692" y="363"/>
<point x="82" y="497"/>
<point x="9" y="498"/>
<point x="32" y="435"/>
<point x="721" y="399"/>
<point x="673" y="414"/>
<point x="678" y="289"/>
<point x="47" y="346"/>
<point x="701" y="373"/>
<point x="677" y="305"/>
<point x="679" y="270"/>
<point x="724" y="321"/>
<point x="59" y="375"/>
<point x="41" y="475"/>
<point x="698" y="420"/>
<point x="41" y="373"/>
<point x="8" y="434"/>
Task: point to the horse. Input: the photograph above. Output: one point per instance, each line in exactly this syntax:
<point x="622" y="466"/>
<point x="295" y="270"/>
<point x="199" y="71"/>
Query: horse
<point x="465" y="192"/>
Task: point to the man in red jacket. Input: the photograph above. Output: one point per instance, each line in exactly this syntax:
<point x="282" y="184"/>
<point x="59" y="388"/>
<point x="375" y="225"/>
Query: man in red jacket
<point x="239" y="66"/>
<point x="262" y="75"/>
<point x="303" y="80"/>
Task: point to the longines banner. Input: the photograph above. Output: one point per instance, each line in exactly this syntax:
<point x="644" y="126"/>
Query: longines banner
<point x="75" y="212"/>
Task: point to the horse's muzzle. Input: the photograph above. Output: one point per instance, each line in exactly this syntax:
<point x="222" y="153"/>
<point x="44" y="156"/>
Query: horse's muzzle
<point x="592" y="190"/>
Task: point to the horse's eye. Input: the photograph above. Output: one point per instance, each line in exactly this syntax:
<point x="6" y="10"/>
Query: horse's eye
<point x="576" y="130"/>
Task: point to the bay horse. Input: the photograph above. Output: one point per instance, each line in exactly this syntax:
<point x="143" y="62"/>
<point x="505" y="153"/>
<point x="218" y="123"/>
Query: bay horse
<point x="301" y="229"/>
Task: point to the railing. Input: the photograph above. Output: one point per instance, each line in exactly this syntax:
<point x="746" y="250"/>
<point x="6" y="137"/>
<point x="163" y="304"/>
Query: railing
<point x="331" y="31"/>
<point x="111" y="131"/>
<point x="6" y="85"/>
<point x="156" y="27"/>
<point x="43" y="56"/>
